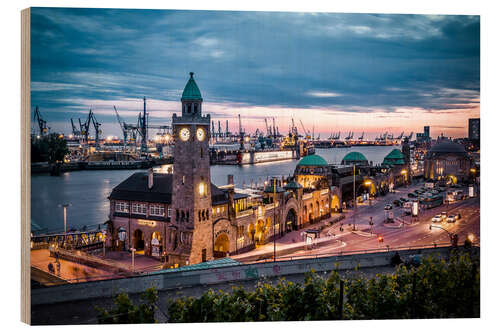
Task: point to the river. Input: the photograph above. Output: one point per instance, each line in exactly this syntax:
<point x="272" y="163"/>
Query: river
<point x="87" y="191"/>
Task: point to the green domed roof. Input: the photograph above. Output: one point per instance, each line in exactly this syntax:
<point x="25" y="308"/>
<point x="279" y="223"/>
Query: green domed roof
<point x="395" y="154"/>
<point x="354" y="156"/>
<point x="312" y="160"/>
<point x="395" y="157"/>
<point x="191" y="90"/>
<point x="293" y="185"/>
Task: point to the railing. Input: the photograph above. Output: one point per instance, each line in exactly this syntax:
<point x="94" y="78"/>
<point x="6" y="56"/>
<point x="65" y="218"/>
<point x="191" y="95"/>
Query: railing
<point x="387" y="248"/>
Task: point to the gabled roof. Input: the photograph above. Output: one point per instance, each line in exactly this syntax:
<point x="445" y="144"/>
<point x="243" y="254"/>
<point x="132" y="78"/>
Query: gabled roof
<point x="135" y="188"/>
<point x="191" y="90"/>
<point x="312" y="160"/>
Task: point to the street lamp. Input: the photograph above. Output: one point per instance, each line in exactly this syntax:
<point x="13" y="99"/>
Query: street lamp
<point x="453" y="237"/>
<point x="369" y="183"/>
<point x="133" y="258"/>
<point x="65" y="206"/>
<point x="354" y="196"/>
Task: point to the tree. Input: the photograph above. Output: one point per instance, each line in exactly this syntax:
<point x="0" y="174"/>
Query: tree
<point x="435" y="289"/>
<point x="50" y="148"/>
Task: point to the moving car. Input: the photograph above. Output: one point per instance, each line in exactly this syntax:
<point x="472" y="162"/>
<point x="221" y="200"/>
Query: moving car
<point x="451" y="219"/>
<point x="437" y="219"/>
<point x="388" y="206"/>
<point x="444" y="215"/>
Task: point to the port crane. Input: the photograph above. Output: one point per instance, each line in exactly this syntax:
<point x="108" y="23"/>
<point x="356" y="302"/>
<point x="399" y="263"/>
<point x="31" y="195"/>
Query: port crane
<point x="409" y="136"/>
<point x="74" y="129"/>
<point x="129" y="131"/>
<point x="42" y="124"/>
<point x="349" y="136"/>
<point x="306" y="132"/>
<point x="97" y="127"/>
<point x="362" y="136"/>
<point x="400" y="136"/>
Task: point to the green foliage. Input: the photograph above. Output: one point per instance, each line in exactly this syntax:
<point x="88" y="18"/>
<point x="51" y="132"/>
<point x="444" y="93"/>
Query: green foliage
<point x="125" y="312"/>
<point x="436" y="289"/>
<point x="49" y="148"/>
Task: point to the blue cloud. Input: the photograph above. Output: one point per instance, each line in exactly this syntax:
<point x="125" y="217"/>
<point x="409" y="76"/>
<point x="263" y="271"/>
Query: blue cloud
<point x="356" y="61"/>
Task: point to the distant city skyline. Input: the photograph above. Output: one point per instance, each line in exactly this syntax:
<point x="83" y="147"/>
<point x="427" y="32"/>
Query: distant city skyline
<point x="336" y="72"/>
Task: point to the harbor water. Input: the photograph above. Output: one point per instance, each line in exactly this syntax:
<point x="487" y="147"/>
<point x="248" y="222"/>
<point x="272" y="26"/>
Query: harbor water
<point x="88" y="190"/>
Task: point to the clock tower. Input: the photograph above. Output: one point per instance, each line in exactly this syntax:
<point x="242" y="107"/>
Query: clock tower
<point x="191" y="219"/>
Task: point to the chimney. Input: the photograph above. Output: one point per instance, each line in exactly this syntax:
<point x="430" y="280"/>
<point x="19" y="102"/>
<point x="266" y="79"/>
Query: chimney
<point x="150" y="178"/>
<point x="230" y="180"/>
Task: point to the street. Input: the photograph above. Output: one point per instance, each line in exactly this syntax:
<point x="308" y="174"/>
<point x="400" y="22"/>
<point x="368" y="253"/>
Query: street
<point x="365" y="237"/>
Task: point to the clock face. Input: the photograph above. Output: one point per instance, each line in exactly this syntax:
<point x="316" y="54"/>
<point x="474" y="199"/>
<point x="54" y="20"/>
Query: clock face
<point x="200" y="134"/>
<point x="184" y="134"/>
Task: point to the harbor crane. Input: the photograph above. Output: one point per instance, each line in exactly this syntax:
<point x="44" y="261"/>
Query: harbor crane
<point x="409" y="136"/>
<point x="400" y="136"/>
<point x="349" y="136"/>
<point x="362" y="136"/>
<point x="42" y="124"/>
<point x="97" y="127"/>
<point x="74" y="130"/>
<point x="306" y="132"/>
<point x="129" y="131"/>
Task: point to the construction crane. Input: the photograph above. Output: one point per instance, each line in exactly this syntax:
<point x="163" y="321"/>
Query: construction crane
<point x="42" y="124"/>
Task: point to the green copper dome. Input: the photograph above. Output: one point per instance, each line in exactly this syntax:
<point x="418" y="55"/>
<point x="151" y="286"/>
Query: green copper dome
<point x="354" y="156"/>
<point x="395" y="157"/>
<point x="313" y="160"/>
<point x="191" y="91"/>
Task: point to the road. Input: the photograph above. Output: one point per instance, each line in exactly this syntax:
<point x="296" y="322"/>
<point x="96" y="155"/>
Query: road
<point x="409" y="234"/>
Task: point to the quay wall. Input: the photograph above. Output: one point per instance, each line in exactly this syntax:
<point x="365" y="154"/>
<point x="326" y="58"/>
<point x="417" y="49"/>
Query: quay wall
<point x="164" y="281"/>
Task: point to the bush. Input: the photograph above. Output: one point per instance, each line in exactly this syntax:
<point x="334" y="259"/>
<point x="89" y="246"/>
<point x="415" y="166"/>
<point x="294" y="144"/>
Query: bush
<point x="435" y="289"/>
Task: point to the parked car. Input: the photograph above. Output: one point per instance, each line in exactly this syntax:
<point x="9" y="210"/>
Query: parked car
<point x="397" y="203"/>
<point x="444" y="215"/>
<point x="403" y="199"/>
<point x="437" y="219"/>
<point x="451" y="219"/>
<point x="388" y="206"/>
<point x="412" y="195"/>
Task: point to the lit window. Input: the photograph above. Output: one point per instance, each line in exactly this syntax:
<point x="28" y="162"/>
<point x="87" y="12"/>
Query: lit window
<point x="169" y="212"/>
<point x="218" y="210"/>
<point x="121" y="207"/>
<point x="157" y="210"/>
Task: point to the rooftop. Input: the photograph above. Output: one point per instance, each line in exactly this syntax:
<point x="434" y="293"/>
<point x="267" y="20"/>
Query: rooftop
<point x="312" y="160"/>
<point x="191" y="90"/>
<point x="354" y="156"/>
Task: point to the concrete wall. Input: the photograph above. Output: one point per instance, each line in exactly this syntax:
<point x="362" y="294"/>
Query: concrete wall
<point x="207" y="277"/>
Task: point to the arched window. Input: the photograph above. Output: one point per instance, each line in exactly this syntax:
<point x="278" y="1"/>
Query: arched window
<point x="195" y="107"/>
<point x="189" y="108"/>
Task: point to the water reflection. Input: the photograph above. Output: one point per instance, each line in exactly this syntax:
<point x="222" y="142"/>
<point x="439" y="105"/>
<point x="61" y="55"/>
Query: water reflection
<point x="88" y="191"/>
